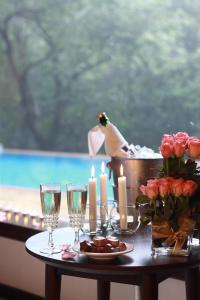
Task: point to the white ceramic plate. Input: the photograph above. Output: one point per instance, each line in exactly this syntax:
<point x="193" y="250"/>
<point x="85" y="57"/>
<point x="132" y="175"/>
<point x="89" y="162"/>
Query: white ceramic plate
<point x="108" y="256"/>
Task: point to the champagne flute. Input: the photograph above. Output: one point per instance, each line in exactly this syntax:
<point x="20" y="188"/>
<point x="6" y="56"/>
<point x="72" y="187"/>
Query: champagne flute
<point x="50" y="196"/>
<point x="76" y="203"/>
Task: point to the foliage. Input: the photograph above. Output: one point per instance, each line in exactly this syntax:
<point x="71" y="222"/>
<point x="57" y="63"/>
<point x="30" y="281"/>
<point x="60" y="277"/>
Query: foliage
<point x="63" y="62"/>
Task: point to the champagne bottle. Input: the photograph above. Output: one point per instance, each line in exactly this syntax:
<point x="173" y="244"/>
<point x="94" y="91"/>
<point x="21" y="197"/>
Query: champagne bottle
<point x="112" y="135"/>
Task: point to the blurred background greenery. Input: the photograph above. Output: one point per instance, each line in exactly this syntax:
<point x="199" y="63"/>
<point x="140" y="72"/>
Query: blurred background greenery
<point x="65" y="61"/>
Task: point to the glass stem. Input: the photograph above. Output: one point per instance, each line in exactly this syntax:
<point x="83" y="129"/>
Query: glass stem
<point x="76" y="239"/>
<point x="50" y="241"/>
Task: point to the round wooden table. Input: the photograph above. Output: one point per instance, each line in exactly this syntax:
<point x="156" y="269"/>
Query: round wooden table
<point x="137" y="267"/>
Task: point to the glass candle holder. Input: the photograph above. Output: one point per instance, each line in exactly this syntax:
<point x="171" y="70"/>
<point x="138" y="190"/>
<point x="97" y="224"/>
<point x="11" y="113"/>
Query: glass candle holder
<point x="102" y="218"/>
<point x="126" y="223"/>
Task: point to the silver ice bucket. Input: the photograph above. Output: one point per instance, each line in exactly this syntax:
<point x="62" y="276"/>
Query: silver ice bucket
<point x="137" y="172"/>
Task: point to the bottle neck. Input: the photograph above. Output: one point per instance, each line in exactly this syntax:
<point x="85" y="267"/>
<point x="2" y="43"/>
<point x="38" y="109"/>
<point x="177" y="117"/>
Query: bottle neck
<point x="104" y="122"/>
<point x="103" y="119"/>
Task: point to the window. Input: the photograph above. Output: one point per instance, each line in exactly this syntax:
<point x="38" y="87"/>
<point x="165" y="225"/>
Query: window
<point x="63" y="62"/>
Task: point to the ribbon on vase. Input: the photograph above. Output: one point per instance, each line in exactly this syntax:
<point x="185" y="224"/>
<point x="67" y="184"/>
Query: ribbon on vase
<point x="161" y="230"/>
<point x="176" y="238"/>
<point x="179" y="237"/>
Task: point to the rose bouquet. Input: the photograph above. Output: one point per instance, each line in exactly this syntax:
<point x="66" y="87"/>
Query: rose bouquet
<point x="179" y="153"/>
<point x="172" y="201"/>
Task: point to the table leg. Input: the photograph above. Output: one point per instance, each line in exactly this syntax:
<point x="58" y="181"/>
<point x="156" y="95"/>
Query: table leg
<point x="52" y="283"/>
<point x="192" y="280"/>
<point x="149" y="287"/>
<point x="103" y="290"/>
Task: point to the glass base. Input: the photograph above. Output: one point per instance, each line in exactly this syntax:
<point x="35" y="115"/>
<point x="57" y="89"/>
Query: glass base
<point x="76" y="246"/>
<point x="124" y="231"/>
<point x="50" y="251"/>
<point x="157" y="251"/>
<point x="99" y="231"/>
<point x="88" y="231"/>
<point x="93" y="232"/>
<point x="195" y="243"/>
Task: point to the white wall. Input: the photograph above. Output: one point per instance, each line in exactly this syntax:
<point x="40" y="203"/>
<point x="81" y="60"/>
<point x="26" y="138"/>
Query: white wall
<point x="19" y="269"/>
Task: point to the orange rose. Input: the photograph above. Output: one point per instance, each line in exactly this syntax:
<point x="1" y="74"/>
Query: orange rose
<point x="152" y="190"/>
<point x="170" y="179"/>
<point x="166" y="150"/>
<point x="164" y="187"/>
<point x="177" y="187"/>
<point x="189" y="187"/>
<point x="179" y="148"/>
<point x="194" y="147"/>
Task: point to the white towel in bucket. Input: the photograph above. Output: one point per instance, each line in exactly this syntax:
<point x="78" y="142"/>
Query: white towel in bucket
<point x="112" y="138"/>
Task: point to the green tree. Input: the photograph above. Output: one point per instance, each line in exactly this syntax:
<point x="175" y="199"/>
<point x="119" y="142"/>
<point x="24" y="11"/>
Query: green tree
<point x="63" y="62"/>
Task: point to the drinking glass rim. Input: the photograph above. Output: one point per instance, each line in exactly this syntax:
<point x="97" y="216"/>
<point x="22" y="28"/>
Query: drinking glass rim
<point x="76" y="187"/>
<point x="50" y="186"/>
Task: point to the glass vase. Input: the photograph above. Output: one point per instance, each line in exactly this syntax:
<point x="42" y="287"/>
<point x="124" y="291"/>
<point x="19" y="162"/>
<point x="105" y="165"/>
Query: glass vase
<point x="166" y="241"/>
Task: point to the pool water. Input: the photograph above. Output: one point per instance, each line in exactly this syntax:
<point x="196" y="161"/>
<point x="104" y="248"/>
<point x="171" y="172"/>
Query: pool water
<point x="29" y="170"/>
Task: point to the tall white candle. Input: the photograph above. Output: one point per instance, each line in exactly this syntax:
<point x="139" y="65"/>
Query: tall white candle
<point x="92" y="201"/>
<point x="122" y="196"/>
<point x="103" y="194"/>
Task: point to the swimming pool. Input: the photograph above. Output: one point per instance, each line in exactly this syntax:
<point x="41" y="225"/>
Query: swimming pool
<point x="28" y="170"/>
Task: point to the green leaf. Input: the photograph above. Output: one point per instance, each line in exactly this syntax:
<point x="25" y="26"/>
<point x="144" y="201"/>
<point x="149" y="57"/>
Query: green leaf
<point x="142" y="199"/>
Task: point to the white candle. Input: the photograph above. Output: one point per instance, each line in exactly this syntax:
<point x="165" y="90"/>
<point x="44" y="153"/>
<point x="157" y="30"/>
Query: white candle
<point x="103" y="194"/>
<point x="92" y="202"/>
<point x="122" y="196"/>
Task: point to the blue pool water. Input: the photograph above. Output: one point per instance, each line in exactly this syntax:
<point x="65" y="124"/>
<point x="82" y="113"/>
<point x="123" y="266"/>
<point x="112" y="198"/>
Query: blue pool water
<point x="29" y="170"/>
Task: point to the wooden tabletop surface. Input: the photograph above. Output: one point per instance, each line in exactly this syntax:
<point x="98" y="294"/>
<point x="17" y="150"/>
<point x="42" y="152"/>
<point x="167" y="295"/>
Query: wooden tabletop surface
<point x="139" y="260"/>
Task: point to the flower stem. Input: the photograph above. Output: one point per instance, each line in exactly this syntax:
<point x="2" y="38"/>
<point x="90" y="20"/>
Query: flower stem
<point x="167" y="166"/>
<point x="179" y="163"/>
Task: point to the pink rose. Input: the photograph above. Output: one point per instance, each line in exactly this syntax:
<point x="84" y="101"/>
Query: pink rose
<point x="194" y="147"/>
<point x="179" y="148"/>
<point x="166" y="150"/>
<point x="177" y="187"/>
<point x="167" y="138"/>
<point x="193" y="138"/>
<point x="189" y="187"/>
<point x="170" y="179"/>
<point x="152" y="190"/>
<point x="181" y="136"/>
<point x="164" y="187"/>
<point x="153" y="181"/>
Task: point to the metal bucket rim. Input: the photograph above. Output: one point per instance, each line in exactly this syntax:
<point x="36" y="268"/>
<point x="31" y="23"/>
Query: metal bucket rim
<point x="132" y="158"/>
